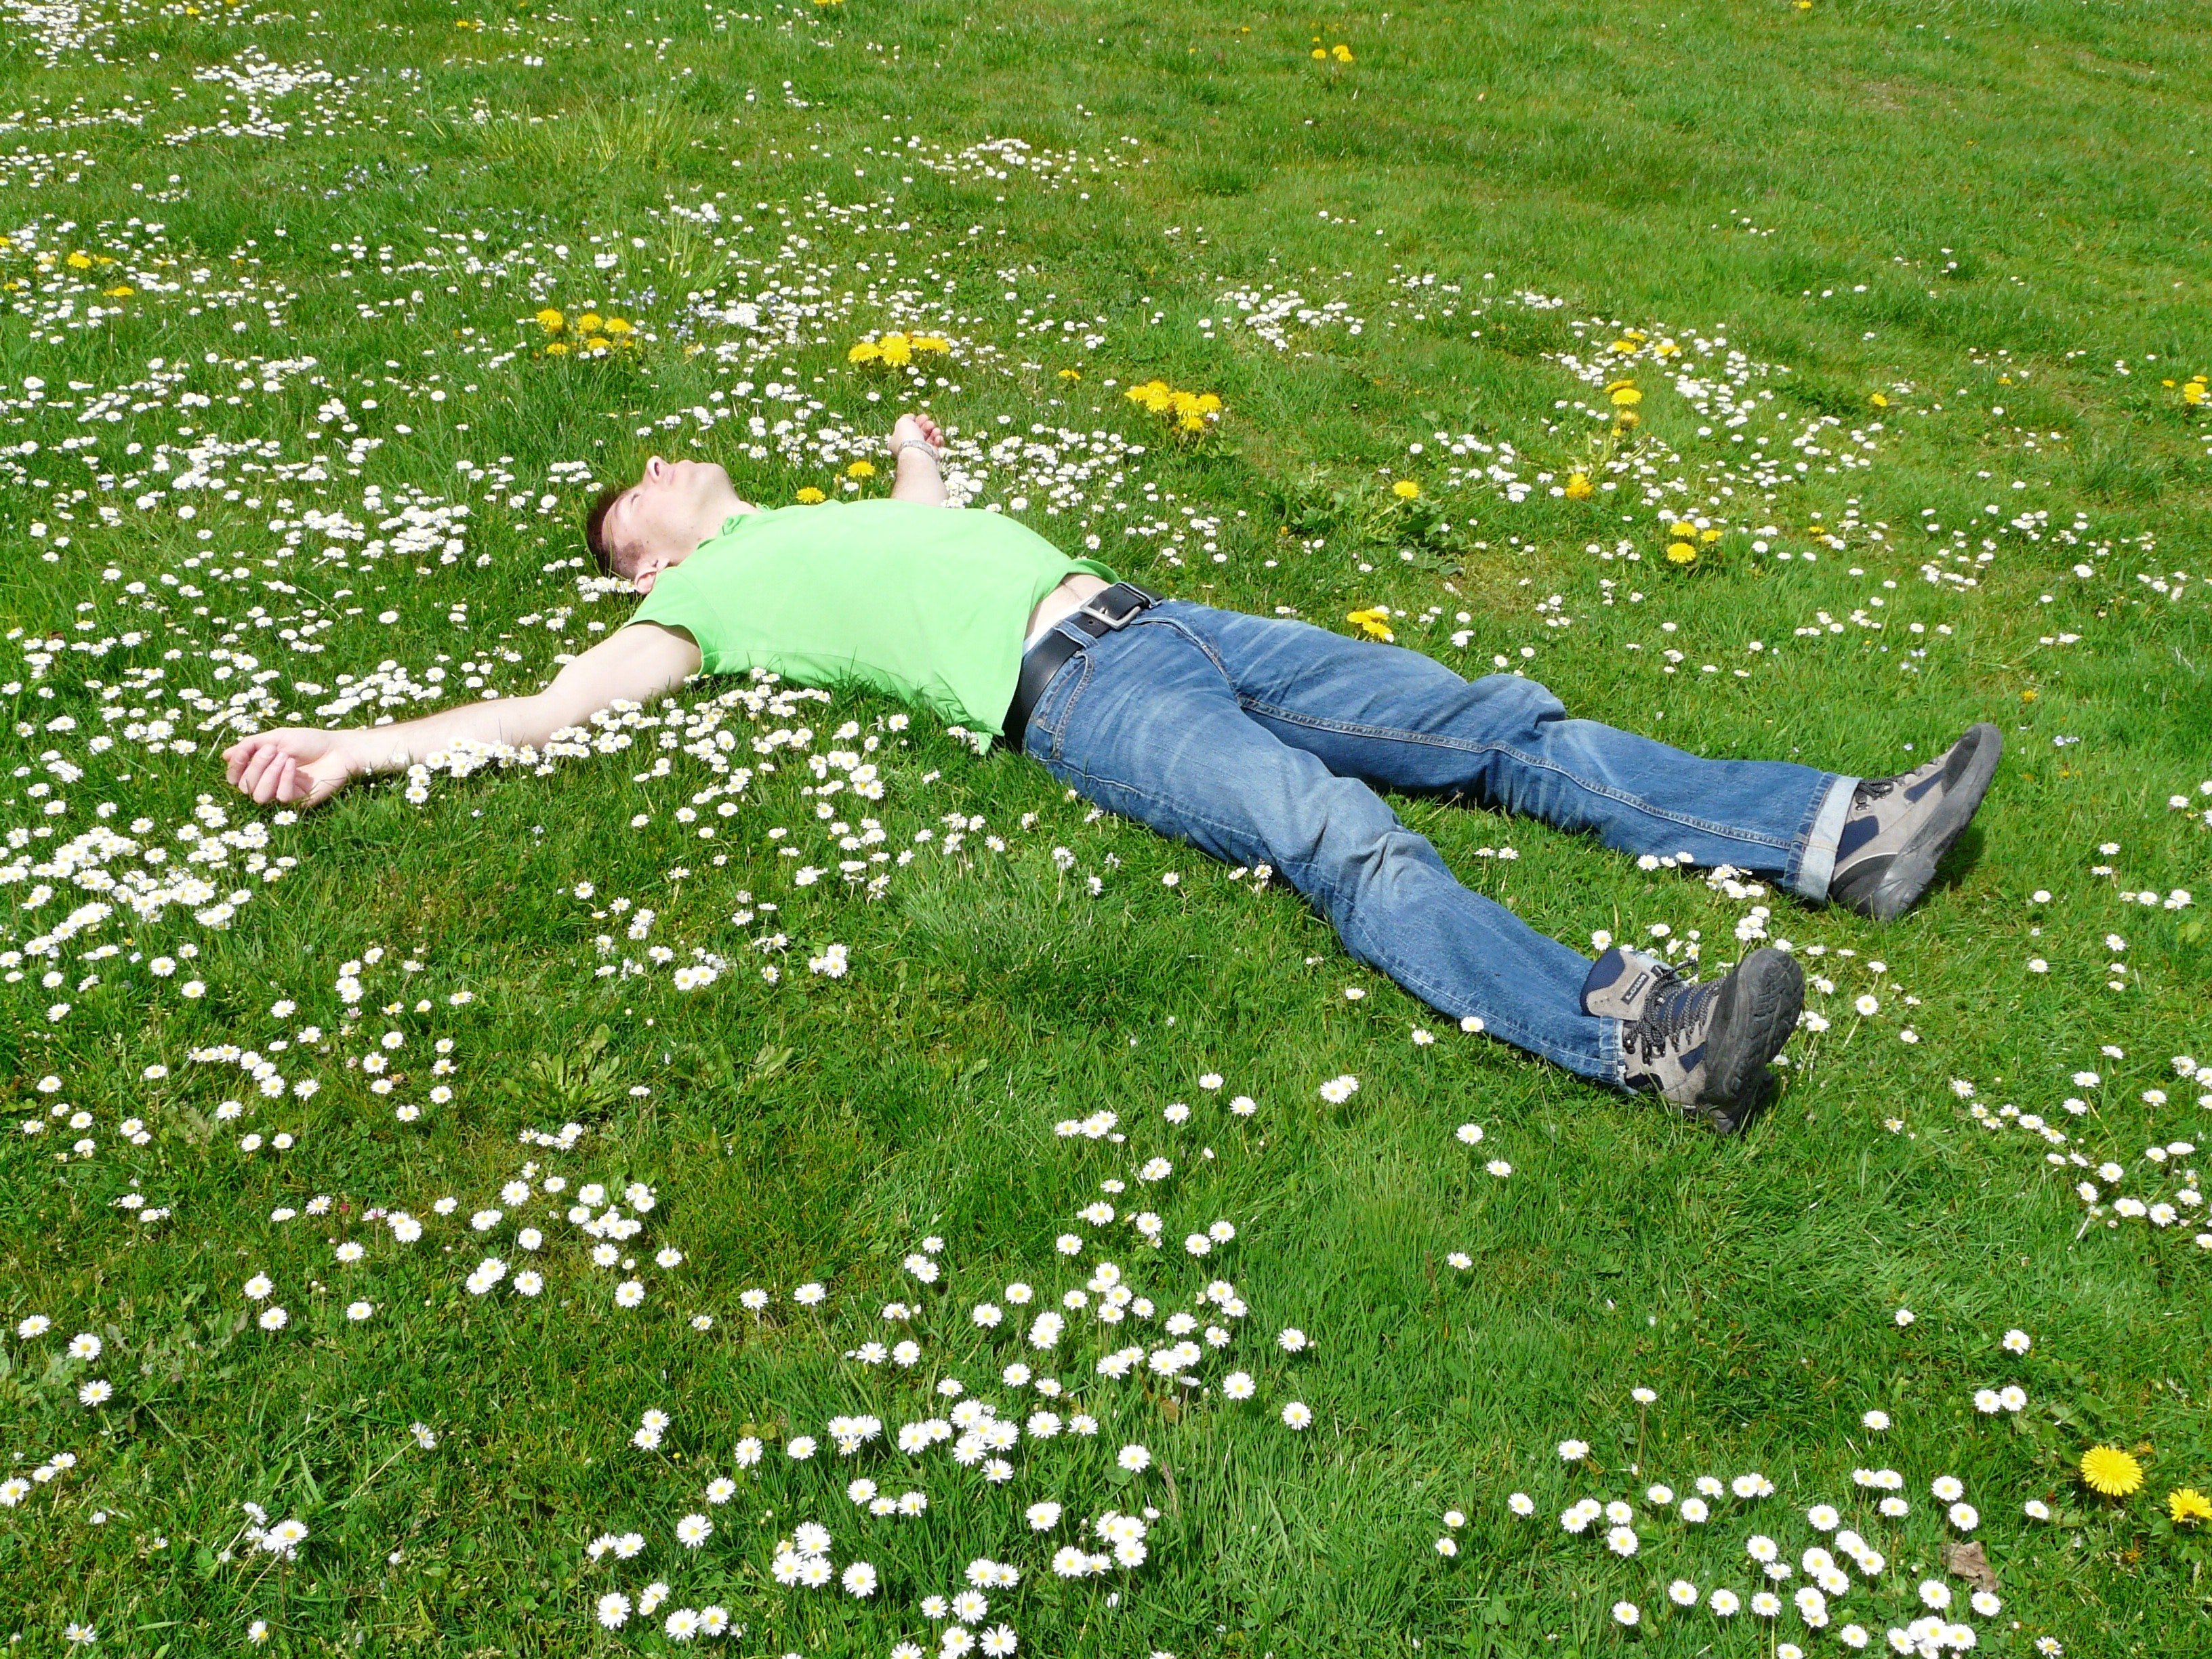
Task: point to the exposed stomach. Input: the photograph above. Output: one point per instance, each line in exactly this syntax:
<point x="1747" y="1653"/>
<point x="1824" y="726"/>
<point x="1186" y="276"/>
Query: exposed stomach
<point x="1075" y="589"/>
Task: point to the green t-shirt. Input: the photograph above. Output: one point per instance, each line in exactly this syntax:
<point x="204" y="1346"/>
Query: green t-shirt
<point x="926" y="604"/>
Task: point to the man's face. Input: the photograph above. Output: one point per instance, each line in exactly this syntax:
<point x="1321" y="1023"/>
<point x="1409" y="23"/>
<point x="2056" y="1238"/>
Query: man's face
<point x="671" y="509"/>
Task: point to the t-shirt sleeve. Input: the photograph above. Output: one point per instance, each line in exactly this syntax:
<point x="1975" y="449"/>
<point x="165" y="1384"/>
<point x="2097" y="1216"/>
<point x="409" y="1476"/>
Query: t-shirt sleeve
<point x="681" y="605"/>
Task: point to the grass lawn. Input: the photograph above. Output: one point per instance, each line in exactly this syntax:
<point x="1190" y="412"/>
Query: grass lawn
<point x="767" y="1170"/>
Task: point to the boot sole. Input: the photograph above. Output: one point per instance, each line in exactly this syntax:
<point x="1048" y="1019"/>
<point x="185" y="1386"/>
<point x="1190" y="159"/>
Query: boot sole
<point x="1758" y="1009"/>
<point x="1914" y="865"/>
<point x="1729" y="1119"/>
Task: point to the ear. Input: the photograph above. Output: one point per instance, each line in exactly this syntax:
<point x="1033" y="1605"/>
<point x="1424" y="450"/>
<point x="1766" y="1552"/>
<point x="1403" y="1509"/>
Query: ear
<point x="643" y="581"/>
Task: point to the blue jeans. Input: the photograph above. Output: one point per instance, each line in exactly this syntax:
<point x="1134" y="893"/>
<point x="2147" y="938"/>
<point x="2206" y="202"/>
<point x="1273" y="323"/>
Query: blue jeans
<point x="1263" y="740"/>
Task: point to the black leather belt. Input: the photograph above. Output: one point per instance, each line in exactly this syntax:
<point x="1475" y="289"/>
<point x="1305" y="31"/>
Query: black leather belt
<point x="1099" y="616"/>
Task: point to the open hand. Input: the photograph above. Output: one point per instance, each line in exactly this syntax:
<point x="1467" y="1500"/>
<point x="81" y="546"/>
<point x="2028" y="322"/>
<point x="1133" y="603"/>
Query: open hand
<point x="294" y="765"/>
<point x="915" y="425"/>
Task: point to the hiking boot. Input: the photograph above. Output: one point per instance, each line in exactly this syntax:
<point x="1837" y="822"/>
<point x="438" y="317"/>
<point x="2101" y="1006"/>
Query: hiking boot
<point x="1900" y="828"/>
<point x="1703" y="1045"/>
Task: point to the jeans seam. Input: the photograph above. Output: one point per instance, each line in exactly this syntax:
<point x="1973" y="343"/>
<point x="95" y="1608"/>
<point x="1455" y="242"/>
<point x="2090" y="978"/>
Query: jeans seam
<point x="1726" y="832"/>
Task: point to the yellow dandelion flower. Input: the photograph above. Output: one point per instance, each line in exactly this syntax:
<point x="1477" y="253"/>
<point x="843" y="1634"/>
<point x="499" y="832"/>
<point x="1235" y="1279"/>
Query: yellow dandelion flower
<point x="551" y="320"/>
<point x="1709" y="536"/>
<point x="1321" y="52"/>
<point x="1373" y="623"/>
<point x="2188" y="1507"/>
<point x="120" y="291"/>
<point x="2194" y="392"/>
<point x="590" y="323"/>
<point x="619" y="325"/>
<point x="1070" y="373"/>
<point x="809" y="496"/>
<point x="1681" y="553"/>
<point x="598" y="342"/>
<point x="79" y="262"/>
<point x="1681" y="528"/>
<point x="861" y="470"/>
<point x="557" y="349"/>
<point x="1579" y="488"/>
<point x="1187" y="412"/>
<point x="896" y="350"/>
<point x="1666" y="349"/>
<point x="2111" y="1471"/>
<point x="1625" y="396"/>
<point x="1405" y="490"/>
<point x="865" y="351"/>
<point x="1341" y="53"/>
<point x="1880" y="400"/>
<point x="931" y="343"/>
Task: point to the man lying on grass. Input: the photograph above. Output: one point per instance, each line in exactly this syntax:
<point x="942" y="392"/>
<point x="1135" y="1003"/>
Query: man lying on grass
<point x="1260" y="740"/>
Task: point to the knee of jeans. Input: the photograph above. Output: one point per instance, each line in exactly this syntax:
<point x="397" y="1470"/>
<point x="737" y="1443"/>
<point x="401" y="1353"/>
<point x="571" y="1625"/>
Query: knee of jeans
<point x="1513" y="703"/>
<point x="1374" y="865"/>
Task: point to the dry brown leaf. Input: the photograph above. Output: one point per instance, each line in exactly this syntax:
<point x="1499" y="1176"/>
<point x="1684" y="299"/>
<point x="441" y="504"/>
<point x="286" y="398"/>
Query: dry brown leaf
<point x="1966" y="1561"/>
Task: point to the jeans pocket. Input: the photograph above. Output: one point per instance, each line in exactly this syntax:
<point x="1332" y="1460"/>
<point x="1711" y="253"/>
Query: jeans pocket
<point x="1046" y="737"/>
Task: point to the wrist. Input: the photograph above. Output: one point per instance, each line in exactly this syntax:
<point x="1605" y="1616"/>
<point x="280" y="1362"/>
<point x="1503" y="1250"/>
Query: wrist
<point x="358" y="751"/>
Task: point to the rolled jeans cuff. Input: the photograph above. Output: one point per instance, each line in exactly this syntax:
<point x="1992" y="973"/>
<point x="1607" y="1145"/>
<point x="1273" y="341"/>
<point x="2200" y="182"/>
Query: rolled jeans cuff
<point x="1816" y="860"/>
<point x="1615" y="1056"/>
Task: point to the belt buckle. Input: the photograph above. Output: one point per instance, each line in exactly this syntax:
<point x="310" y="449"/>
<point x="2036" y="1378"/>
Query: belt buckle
<point x="1110" y="623"/>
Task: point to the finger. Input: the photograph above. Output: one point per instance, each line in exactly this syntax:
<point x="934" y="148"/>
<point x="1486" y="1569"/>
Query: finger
<point x="240" y="755"/>
<point x="251" y="773"/>
<point x="266" y="788"/>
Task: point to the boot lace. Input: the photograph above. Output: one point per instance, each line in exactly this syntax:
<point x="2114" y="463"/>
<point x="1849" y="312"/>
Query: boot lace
<point x="1869" y="791"/>
<point x="1676" y="1010"/>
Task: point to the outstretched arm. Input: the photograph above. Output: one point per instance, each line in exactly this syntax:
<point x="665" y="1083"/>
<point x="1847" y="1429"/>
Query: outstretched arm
<point x="917" y="478"/>
<point x="302" y="767"/>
